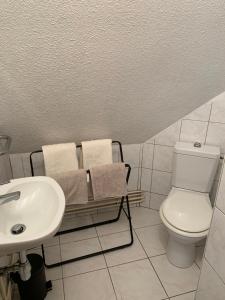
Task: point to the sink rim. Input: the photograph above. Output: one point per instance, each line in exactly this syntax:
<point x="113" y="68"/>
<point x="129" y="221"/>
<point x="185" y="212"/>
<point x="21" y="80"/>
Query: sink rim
<point x="12" y="241"/>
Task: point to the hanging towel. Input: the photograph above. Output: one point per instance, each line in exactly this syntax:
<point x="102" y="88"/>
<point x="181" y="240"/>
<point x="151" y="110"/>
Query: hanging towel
<point x="96" y="153"/>
<point x="109" y="181"/>
<point x="74" y="186"/>
<point x="60" y="158"/>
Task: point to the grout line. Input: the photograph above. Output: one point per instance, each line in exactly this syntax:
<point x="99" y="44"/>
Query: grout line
<point x="83" y="273"/>
<point x="76" y="241"/>
<point x="152" y="266"/>
<point x="128" y="262"/>
<point x="170" y="172"/>
<point x="208" y="124"/>
<point x="153" y="157"/>
<point x="183" y="294"/>
<point x="140" y="165"/>
<point x="60" y="253"/>
<point x="186" y="119"/>
<point x="217" y="122"/>
<point x="214" y="270"/>
<point x="181" y="124"/>
<point x="107" y="267"/>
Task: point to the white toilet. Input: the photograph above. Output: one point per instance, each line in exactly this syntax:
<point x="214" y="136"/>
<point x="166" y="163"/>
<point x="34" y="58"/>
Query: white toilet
<point x="187" y="210"/>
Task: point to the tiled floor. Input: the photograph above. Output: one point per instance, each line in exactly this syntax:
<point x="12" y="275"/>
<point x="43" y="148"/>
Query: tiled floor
<point x="141" y="271"/>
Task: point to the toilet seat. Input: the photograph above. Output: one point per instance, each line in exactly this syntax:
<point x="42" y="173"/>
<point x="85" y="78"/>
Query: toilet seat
<point x="187" y="211"/>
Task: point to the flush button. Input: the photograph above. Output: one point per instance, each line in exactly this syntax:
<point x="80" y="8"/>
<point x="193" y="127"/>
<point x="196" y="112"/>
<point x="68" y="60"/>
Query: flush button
<point x="197" y="145"/>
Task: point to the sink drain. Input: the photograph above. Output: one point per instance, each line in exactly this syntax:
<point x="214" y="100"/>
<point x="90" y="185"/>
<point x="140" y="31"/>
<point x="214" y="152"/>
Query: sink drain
<point x="18" y="228"/>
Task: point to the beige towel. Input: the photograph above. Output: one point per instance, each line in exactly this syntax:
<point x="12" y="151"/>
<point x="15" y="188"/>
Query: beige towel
<point x="74" y="186"/>
<point x="109" y="181"/>
<point x="96" y="153"/>
<point x="60" y="158"/>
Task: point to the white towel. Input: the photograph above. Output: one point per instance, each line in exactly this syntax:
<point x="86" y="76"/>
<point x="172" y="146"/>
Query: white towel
<point x="96" y="153"/>
<point x="60" y="158"/>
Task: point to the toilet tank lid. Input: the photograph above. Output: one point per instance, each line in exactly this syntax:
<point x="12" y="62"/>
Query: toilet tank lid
<point x="203" y="151"/>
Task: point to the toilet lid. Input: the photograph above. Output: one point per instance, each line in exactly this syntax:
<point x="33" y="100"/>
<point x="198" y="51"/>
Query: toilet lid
<point x="188" y="210"/>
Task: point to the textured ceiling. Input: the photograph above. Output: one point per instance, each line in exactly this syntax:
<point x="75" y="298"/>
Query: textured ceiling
<point x="77" y="70"/>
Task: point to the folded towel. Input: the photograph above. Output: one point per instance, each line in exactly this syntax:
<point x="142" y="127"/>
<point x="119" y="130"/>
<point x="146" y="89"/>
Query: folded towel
<point x="60" y="158"/>
<point x="74" y="186"/>
<point x="109" y="181"/>
<point x="96" y="153"/>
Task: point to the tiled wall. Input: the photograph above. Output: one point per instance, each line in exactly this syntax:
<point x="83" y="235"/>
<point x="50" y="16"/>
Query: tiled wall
<point x="152" y="161"/>
<point x="212" y="278"/>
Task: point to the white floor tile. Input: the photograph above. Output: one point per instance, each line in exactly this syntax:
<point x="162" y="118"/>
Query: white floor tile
<point x="175" y="280"/>
<point x="188" y="296"/>
<point x="136" y="281"/>
<point x="90" y="286"/>
<point x="52" y="241"/>
<point x="125" y="255"/>
<point x="57" y="292"/>
<point x="75" y="249"/>
<point x="153" y="239"/>
<point x="78" y="235"/>
<point x="142" y="217"/>
<point x="121" y="225"/>
<point x="75" y="220"/>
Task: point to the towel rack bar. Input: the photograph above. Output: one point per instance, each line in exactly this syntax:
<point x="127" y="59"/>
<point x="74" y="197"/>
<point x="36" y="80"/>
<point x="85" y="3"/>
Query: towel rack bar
<point x="78" y="147"/>
<point x="136" y="196"/>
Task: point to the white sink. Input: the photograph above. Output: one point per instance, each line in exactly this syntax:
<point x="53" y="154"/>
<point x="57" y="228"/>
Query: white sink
<point x="40" y="208"/>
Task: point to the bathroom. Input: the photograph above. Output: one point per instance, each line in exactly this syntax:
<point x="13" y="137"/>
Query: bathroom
<point x="149" y="74"/>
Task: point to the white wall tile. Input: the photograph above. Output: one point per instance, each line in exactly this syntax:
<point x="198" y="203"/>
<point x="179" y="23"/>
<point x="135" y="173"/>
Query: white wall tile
<point x="163" y="158"/>
<point x="169" y="136"/>
<point x="210" y="285"/>
<point x="133" y="180"/>
<point x="193" y="131"/>
<point x="220" y="199"/>
<point x="147" y="155"/>
<point x="146" y="201"/>
<point x="213" y="192"/>
<point x="215" y="247"/>
<point x="200" y="114"/>
<point x="156" y="200"/>
<point x="146" y="175"/>
<point x="216" y="135"/>
<point x="26" y="164"/>
<point x="218" y="109"/>
<point x="161" y="182"/>
<point x="38" y="164"/>
<point x="131" y="154"/>
<point x="5" y="169"/>
<point x="17" y="165"/>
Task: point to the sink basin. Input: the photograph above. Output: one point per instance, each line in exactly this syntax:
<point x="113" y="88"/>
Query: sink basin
<point x="40" y="209"/>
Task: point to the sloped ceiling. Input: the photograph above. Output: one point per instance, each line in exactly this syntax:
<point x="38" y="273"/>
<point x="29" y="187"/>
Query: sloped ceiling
<point x="86" y="69"/>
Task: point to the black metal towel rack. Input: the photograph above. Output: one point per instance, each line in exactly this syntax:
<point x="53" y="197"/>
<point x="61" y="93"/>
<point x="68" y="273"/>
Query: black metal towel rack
<point x="121" y="207"/>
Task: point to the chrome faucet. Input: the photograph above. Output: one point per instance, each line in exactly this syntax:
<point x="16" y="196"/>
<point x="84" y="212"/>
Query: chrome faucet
<point x="9" y="197"/>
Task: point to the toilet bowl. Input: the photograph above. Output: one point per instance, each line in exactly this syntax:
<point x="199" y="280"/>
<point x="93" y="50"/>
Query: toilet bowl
<point x="187" y="210"/>
<point x="187" y="216"/>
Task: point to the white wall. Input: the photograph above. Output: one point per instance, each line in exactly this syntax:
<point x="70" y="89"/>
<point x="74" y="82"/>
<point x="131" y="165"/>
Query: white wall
<point x="75" y="70"/>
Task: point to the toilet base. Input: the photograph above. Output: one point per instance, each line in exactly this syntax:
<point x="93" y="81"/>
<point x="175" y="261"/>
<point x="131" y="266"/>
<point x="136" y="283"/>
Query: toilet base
<point x="180" y="255"/>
